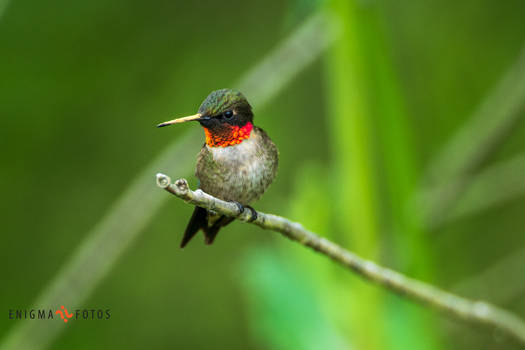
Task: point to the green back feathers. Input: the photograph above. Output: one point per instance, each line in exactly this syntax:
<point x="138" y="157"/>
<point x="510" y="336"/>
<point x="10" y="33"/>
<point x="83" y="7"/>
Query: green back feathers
<point x="222" y="100"/>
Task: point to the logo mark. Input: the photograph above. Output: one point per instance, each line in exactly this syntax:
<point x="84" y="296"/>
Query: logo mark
<point x="68" y="315"/>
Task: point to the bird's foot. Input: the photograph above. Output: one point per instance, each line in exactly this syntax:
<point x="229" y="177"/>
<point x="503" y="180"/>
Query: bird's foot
<point x="254" y="214"/>
<point x="242" y="208"/>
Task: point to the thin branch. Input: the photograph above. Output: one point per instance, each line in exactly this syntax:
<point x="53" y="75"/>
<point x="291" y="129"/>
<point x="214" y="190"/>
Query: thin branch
<point x="478" y="312"/>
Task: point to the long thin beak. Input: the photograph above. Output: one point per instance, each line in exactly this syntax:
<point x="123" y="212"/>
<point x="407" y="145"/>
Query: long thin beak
<point x="181" y="120"/>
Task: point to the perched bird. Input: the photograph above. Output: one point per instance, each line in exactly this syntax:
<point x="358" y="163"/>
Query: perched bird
<point x="237" y="163"/>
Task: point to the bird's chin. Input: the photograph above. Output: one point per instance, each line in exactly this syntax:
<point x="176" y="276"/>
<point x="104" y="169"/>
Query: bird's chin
<point x="208" y="123"/>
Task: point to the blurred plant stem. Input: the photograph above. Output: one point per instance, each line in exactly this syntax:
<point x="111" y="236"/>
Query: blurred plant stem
<point x="124" y="221"/>
<point x="497" y="184"/>
<point x="501" y="182"/>
<point x="285" y="306"/>
<point x="476" y="312"/>
<point x="488" y="284"/>
<point x="473" y="144"/>
<point x="354" y="169"/>
<point x="100" y="250"/>
<point x="296" y="304"/>
<point x="365" y="101"/>
<point x="281" y="65"/>
<point x="3" y="7"/>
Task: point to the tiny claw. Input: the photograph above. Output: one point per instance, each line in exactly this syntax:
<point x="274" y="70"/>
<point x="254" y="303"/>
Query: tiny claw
<point x="254" y="214"/>
<point x="240" y="207"/>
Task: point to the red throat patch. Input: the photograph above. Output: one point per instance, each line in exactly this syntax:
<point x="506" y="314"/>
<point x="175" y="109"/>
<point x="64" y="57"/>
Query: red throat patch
<point x="233" y="135"/>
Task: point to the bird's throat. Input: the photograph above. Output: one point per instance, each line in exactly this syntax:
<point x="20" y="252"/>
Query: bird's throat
<point x="228" y="135"/>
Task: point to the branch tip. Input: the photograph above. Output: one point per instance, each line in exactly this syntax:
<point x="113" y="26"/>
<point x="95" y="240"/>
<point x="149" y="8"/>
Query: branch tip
<point x="182" y="185"/>
<point x="163" y="181"/>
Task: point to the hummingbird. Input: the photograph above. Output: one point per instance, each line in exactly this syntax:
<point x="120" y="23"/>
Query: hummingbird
<point x="237" y="162"/>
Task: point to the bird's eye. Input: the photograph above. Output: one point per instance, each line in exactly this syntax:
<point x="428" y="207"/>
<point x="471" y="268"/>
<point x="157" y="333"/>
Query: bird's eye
<point x="228" y="114"/>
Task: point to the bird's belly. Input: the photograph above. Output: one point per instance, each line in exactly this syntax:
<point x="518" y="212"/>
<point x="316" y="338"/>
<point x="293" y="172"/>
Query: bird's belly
<point x="240" y="174"/>
<point x="244" y="182"/>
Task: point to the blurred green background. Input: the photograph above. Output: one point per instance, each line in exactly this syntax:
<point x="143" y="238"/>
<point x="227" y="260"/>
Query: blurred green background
<point x="400" y="137"/>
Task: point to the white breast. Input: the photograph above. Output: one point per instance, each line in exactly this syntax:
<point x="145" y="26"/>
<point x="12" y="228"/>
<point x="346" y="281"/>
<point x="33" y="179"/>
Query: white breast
<point x="244" y="151"/>
<point x="243" y="169"/>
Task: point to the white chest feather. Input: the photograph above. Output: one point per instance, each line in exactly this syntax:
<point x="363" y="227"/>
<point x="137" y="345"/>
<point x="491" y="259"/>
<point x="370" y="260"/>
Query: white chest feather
<point x="243" y="154"/>
<point x="241" y="172"/>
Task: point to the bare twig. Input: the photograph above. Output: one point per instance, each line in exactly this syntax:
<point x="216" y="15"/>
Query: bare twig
<point x="478" y="312"/>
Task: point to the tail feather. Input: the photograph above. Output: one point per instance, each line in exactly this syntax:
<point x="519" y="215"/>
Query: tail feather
<point x="199" y="221"/>
<point x="211" y="233"/>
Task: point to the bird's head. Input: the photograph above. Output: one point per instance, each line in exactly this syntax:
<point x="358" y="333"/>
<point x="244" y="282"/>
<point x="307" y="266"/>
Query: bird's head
<point x="226" y="117"/>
